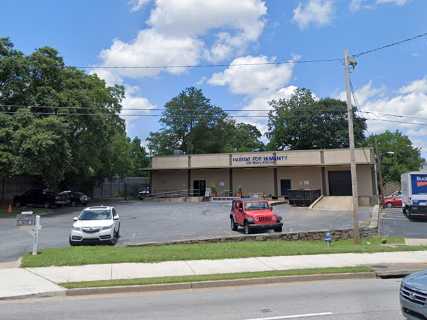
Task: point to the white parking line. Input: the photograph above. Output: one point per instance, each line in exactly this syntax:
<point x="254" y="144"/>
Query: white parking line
<point x="296" y="316"/>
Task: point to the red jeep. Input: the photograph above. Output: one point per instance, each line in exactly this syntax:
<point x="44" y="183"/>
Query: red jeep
<point x="251" y="214"/>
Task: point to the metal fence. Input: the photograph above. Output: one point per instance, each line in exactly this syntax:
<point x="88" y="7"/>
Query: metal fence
<point x="120" y="187"/>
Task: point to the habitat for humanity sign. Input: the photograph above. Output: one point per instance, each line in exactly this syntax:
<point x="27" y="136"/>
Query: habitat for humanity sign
<point x="256" y="160"/>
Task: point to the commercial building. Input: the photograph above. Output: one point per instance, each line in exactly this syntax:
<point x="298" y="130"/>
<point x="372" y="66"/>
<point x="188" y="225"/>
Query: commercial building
<point x="269" y="173"/>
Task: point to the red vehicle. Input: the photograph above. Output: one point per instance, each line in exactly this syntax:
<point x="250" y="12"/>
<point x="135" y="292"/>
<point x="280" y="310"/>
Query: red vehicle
<point x="393" y="200"/>
<point x="254" y="214"/>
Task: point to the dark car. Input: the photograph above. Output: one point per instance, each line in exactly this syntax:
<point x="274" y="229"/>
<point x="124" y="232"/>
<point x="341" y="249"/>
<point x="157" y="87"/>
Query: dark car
<point x="36" y="197"/>
<point x="144" y="193"/>
<point x="72" y="198"/>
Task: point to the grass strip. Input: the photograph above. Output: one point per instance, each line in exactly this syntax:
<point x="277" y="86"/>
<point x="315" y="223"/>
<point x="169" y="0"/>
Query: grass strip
<point x="212" y="277"/>
<point x="82" y="255"/>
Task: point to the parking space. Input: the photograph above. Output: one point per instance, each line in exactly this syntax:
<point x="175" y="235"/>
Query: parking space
<point x="394" y="223"/>
<point x="147" y="221"/>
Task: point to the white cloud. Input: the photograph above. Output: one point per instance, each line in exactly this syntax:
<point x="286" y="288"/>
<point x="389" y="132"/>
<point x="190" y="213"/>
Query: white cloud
<point x="177" y="34"/>
<point x="396" y="2"/>
<point x="417" y="86"/>
<point x="365" y="93"/>
<point x="137" y="5"/>
<point x="410" y="100"/>
<point x="134" y="101"/>
<point x="258" y="84"/>
<point x="253" y="80"/>
<point x="356" y="5"/>
<point x="152" y="48"/>
<point x="317" y="12"/>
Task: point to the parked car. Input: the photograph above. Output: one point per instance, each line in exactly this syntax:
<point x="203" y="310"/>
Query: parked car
<point x="144" y="193"/>
<point x="72" y="198"/>
<point x="413" y="296"/>
<point x="36" y="197"/>
<point x="254" y="214"/>
<point x="393" y="200"/>
<point x="100" y="224"/>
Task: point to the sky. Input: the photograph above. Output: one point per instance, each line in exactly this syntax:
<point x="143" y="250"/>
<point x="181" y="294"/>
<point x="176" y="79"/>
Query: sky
<point x="99" y="33"/>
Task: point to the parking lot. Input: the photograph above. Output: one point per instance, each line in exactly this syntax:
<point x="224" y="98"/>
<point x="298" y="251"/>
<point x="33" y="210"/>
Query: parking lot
<point x="394" y="223"/>
<point x="147" y="221"/>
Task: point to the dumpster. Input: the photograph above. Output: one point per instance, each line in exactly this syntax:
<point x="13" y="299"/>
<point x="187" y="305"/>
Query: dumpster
<point x="303" y="197"/>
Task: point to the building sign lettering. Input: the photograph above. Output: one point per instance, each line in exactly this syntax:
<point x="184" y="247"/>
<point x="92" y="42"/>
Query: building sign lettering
<point x="257" y="160"/>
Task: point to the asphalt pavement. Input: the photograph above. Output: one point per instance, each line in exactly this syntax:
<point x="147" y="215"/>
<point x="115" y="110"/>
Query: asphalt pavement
<point x="367" y="299"/>
<point x="148" y="221"/>
<point x="394" y="223"/>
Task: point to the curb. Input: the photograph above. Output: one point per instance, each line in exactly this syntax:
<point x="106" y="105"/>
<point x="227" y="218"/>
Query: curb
<point x="218" y="283"/>
<point x="36" y="295"/>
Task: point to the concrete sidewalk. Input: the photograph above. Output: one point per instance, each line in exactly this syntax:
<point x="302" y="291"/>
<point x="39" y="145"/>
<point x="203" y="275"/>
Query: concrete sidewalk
<point x="21" y="283"/>
<point x="203" y="267"/>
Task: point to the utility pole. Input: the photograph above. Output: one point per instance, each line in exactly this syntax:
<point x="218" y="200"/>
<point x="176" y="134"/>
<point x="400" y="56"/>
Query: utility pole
<point x="347" y="62"/>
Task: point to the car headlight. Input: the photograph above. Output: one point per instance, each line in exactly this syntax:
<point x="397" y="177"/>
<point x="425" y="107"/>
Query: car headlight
<point x="77" y="229"/>
<point x="250" y="219"/>
<point x="107" y="227"/>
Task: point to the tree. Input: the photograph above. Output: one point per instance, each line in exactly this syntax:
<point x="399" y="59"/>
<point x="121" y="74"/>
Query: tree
<point x="243" y="137"/>
<point x="397" y="153"/>
<point x="303" y="122"/>
<point x="73" y="110"/>
<point x="191" y="124"/>
<point x="138" y="157"/>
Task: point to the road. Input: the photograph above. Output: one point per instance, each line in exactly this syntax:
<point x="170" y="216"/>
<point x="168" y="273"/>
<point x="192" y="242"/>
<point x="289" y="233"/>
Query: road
<point x="369" y="299"/>
<point x="394" y="223"/>
<point x="162" y="221"/>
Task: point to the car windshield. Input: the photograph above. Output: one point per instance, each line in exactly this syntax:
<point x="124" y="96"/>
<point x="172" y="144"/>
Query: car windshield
<point x="95" y="215"/>
<point x="256" y="205"/>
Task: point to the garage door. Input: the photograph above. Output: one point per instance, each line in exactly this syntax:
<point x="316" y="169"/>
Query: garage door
<point x="339" y="183"/>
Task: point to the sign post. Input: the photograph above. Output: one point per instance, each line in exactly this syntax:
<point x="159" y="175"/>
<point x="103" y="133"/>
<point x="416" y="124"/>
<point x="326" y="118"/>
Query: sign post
<point x="26" y="220"/>
<point x="36" y="230"/>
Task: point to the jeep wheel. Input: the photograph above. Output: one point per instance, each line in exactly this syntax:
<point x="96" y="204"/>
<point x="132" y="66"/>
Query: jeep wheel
<point x="246" y="229"/>
<point x="278" y="229"/>
<point x="233" y="225"/>
<point x="389" y="205"/>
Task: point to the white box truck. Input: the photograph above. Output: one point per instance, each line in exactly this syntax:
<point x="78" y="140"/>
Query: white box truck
<point x="414" y="194"/>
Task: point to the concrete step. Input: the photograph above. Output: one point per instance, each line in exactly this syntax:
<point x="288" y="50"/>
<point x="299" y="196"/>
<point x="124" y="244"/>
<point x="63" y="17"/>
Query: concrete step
<point x="343" y="203"/>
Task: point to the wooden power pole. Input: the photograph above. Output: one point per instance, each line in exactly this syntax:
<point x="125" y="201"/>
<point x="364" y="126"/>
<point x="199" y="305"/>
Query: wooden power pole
<point x="347" y="62"/>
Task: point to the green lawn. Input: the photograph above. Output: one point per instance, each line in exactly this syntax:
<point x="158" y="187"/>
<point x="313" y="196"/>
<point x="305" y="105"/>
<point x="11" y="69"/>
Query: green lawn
<point x="212" y="277"/>
<point x="70" y="256"/>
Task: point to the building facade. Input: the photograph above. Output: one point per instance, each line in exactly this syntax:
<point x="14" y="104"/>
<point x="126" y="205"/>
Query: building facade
<point x="269" y="173"/>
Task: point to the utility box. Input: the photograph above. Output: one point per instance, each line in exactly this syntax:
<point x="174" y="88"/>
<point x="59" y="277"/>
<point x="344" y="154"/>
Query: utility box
<point x="414" y="193"/>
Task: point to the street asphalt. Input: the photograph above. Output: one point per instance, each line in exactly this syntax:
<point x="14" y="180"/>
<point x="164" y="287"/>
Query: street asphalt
<point x="394" y="223"/>
<point x="147" y="221"/>
<point x="368" y="299"/>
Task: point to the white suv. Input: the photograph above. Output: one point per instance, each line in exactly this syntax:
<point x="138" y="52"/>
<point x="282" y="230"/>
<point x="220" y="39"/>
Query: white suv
<point x="96" y="224"/>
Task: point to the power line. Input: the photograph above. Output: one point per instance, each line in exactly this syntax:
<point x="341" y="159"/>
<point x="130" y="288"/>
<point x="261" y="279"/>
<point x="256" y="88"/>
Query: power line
<point x="389" y="45"/>
<point x="289" y="61"/>
<point x="220" y="65"/>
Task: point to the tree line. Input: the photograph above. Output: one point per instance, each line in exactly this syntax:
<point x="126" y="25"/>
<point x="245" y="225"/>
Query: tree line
<point x="63" y="125"/>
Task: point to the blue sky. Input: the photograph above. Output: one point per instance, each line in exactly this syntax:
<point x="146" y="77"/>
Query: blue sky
<point x="174" y="32"/>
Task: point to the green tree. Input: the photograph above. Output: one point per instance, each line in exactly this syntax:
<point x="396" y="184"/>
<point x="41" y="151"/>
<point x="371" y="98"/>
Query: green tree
<point x="191" y="124"/>
<point x="138" y="157"/>
<point x="243" y="137"/>
<point x="303" y="122"/>
<point x="398" y="155"/>
<point x="83" y="114"/>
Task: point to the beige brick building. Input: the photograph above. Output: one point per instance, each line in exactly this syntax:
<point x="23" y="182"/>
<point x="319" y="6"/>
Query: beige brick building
<point x="270" y="173"/>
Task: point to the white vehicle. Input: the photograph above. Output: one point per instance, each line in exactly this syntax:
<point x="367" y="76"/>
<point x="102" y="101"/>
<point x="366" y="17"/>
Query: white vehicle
<point x="96" y="224"/>
<point x="414" y="194"/>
